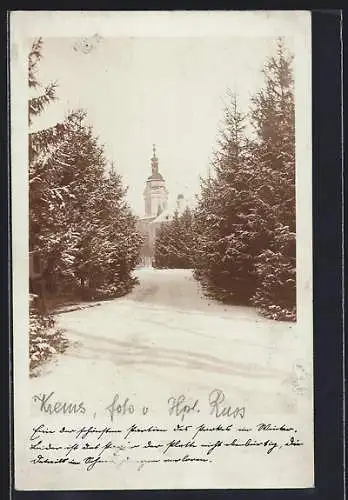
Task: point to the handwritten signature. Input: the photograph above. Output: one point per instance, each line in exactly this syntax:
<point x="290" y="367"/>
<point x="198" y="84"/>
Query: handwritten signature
<point x="181" y="406"/>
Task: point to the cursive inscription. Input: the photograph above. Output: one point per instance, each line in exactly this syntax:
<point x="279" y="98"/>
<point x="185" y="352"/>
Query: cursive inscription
<point x="118" y="407"/>
<point x="49" y="405"/>
<point x="274" y="428"/>
<point x="180" y="407"/>
<point x="121" y="407"/>
<point x="89" y="447"/>
<point x="130" y="442"/>
<point x="219" y="408"/>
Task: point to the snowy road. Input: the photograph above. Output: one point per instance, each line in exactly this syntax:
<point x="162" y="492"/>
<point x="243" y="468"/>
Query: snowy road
<point x="166" y="337"/>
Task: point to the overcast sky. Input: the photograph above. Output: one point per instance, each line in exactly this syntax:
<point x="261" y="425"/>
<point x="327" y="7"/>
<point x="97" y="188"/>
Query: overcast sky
<point x="167" y="91"/>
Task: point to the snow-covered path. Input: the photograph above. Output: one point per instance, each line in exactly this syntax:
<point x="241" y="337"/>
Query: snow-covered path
<point x="166" y="337"/>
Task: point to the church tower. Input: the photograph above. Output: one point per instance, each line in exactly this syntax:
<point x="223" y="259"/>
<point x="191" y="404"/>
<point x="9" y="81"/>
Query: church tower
<point x="155" y="194"/>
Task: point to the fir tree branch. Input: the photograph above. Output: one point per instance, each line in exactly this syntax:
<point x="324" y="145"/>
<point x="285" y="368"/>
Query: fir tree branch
<point x="38" y="104"/>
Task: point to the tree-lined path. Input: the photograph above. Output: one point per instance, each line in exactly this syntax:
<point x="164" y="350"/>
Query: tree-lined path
<point x="167" y="337"/>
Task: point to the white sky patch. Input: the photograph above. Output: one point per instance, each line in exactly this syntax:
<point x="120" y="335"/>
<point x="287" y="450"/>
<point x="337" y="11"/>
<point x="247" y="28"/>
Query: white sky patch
<point x="140" y="91"/>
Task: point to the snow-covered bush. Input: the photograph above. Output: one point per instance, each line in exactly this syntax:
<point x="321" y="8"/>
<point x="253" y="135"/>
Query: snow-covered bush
<point x="114" y="290"/>
<point x="276" y="295"/>
<point x="45" y="339"/>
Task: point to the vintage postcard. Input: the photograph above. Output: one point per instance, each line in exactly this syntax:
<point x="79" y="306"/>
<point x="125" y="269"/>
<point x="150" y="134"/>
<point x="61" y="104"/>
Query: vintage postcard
<point x="162" y="250"/>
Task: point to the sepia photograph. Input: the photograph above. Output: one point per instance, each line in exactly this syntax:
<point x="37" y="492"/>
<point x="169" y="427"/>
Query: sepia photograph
<point x="162" y="217"/>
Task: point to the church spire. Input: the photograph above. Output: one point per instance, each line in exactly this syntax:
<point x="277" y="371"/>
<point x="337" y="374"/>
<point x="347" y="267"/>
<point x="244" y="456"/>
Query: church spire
<point x="154" y="161"/>
<point x="155" y="193"/>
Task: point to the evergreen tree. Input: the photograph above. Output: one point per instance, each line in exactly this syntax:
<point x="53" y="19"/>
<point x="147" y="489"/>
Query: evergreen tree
<point x="163" y="249"/>
<point x="44" y="339"/>
<point x="227" y="236"/>
<point x="245" y="219"/>
<point x="42" y="144"/>
<point x="117" y="242"/>
<point x="273" y="117"/>
<point x="79" y="220"/>
<point x="84" y="228"/>
<point x="174" y="242"/>
<point x="37" y="103"/>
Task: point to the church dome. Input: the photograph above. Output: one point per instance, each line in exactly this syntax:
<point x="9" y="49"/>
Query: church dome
<point x="156" y="176"/>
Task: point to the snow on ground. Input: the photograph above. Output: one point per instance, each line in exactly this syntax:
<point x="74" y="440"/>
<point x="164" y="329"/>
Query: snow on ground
<point x="168" y="338"/>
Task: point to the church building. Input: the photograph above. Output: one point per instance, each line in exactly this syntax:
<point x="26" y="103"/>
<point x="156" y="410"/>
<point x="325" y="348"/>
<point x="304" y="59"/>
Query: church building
<point x="157" y="211"/>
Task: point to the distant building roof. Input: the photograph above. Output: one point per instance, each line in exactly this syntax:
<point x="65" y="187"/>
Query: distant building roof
<point x="147" y="218"/>
<point x="167" y="214"/>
